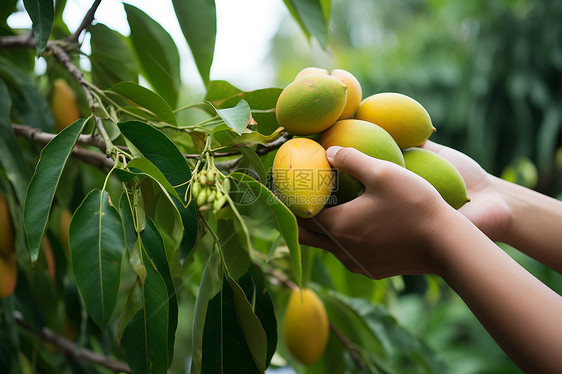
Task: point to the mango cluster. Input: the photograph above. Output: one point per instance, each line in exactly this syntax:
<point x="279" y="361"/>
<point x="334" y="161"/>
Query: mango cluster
<point x="324" y="110"/>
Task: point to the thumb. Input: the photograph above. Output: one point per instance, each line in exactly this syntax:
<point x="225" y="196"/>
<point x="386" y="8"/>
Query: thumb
<point x="352" y="162"/>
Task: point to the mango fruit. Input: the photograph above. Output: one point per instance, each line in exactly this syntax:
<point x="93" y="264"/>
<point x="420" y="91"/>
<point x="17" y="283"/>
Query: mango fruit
<point x="366" y="137"/>
<point x="311" y="104"/>
<point x="401" y="116"/>
<point x="8" y="259"/>
<point x="310" y="71"/>
<point x="306" y="326"/>
<point x="302" y="176"/>
<point x="64" y="106"/>
<point x="8" y="274"/>
<point x="6" y="229"/>
<point x="438" y="171"/>
<point x="354" y="93"/>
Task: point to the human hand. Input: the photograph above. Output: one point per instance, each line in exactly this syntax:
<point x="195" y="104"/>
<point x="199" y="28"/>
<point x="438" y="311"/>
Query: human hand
<point x="486" y="209"/>
<point x="388" y="230"/>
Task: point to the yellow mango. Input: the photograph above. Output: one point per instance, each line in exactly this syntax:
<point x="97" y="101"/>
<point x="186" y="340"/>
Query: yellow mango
<point x="366" y="137"/>
<point x="311" y="104"/>
<point x="6" y="229"/>
<point x="401" y="116"/>
<point x="64" y="106"/>
<point x="306" y="326"/>
<point x="310" y="71"/>
<point x="354" y="92"/>
<point x="438" y="171"/>
<point x="8" y="274"/>
<point x="302" y="176"/>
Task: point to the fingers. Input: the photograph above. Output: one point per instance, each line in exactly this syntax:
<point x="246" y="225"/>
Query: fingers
<point x="352" y="162"/>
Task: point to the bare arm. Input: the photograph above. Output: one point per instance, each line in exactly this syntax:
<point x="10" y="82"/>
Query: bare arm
<point x="507" y="212"/>
<point x="402" y="226"/>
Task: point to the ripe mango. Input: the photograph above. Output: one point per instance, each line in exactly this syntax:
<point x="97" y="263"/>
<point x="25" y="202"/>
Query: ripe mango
<point x="403" y="117"/>
<point x="438" y="171"/>
<point x="306" y="326"/>
<point x="6" y="229"/>
<point x="366" y="137"/>
<point x="302" y="176"/>
<point x="310" y="71"/>
<point x="64" y="106"/>
<point x="354" y="93"/>
<point x="8" y="274"/>
<point x="311" y="104"/>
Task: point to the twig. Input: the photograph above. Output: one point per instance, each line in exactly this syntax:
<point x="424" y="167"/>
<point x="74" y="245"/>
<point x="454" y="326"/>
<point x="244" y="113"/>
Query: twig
<point x="87" y="21"/>
<point x="231" y="164"/>
<point x="39" y="136"/>
<point x="349" y="346"/>
<point x="97" y="159"/>
<point x="70" y="349"/>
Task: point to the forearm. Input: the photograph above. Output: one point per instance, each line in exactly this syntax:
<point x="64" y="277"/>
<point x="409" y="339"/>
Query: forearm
<point x="535" y="226"/>
<point x="520" y="313"/>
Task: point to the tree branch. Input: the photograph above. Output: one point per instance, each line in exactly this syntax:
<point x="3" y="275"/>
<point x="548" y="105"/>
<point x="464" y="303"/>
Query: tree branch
<point x="97" y="159"/>
<point x="70" y="349"/>
<point x="87" y="21"/>
<point x="348" y="344"/>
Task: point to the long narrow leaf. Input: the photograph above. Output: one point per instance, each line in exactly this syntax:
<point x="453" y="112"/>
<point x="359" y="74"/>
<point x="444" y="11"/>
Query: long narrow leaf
<point x="145" y="338"/>
<point x="198" y="22"/>
<point x="43" y="185"/>
<point x="97" y="243"/>
<point x="42" y="13"/>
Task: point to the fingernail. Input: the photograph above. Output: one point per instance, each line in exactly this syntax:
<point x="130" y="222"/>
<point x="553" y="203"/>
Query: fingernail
<point x="331" y="152"/>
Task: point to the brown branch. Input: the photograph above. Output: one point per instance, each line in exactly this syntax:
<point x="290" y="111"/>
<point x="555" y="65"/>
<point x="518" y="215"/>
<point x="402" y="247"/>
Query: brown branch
<point x="348" y="344"/>
<point x="70" y="349"/>
<point x="97" y="159"/>
<point x="87" y="21"/>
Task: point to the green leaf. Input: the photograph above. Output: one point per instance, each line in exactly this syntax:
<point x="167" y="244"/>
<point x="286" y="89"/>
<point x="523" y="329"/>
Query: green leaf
<point x="255" y="161"/>
<point x="97" y="243"/>
<point x="11" y="157"/>
<point x="311" y="16"/>
<point x="166" y="156"/>
<point x="250" y="324"/>
<point x="30" y="104"/>
<point x="237" y="117"/>
<point x="262" y="99"/>
<point x="145" y="167"/>
<point x="43" y="185"/>
<point x="256" y="292"/>
<point x="234" y="246"/>
<point x="225" y="349"/>
<point x="198" y="22"/>
<point x="211" y="282"/>
<point x="156" y="53"/>
<point x="218" y="91"/>
<point x="249" y="195"/>
<point x="154" y="246"/>
<point x="42" y="13"/>
<point x="145" y="338"/>
<point x="112" y="59"/>
<point x="147" y="99"/>
<point x="128" y="222"/>
<point x="161" y="151"/>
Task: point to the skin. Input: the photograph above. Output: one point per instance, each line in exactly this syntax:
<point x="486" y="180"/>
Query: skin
<point x="418" y="233"/>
